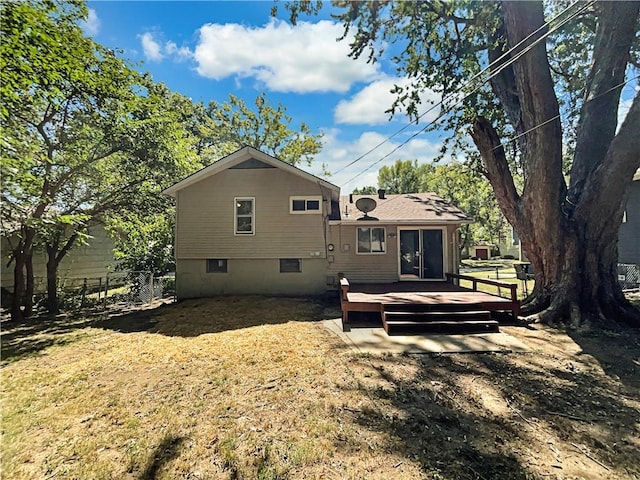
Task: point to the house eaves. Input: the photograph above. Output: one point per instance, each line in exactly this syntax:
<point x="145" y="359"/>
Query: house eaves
<point x="242" y="155"/>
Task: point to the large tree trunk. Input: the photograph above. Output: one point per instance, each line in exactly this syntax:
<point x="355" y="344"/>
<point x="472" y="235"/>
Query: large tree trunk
<point x="30" y="288"/>
<point x="23" y="281"/>
<point x="18" y="287"/>
<point x="570" y="238"/>
<point x="52" y="280"/>
<point x="55" y="254"/>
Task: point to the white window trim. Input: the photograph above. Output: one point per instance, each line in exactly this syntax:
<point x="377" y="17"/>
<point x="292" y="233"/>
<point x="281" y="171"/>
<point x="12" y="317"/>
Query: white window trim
<point x="384" y="229"/>
<point x="235" y="216"/>
<point x="306" y="198"/>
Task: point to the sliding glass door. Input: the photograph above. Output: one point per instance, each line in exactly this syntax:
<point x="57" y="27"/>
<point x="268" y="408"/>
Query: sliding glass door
<point x="422" y="254"/>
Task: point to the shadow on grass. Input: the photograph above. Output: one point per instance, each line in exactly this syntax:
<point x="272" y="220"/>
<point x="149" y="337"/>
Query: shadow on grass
<point x="189" y="318"/>
<point x="620" y="359"/>
<point x="168" y="450"/>
<point x="18" y="340"/>
<point x="431" y="405"/>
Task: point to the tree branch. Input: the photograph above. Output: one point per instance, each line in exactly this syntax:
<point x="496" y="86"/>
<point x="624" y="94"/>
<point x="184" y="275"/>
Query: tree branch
<point x="495" y="161"/>
<point x="607" y="184"/>
<point x="615" y="32"/>
<point x="65" y="249"/>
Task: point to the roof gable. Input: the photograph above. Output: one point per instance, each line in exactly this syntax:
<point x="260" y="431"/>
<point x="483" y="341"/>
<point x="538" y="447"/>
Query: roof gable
<point x="246" y="158"/>
<point x="251" y="164"/>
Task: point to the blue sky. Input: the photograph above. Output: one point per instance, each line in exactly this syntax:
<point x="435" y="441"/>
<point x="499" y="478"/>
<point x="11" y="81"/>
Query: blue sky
<point x="208" y="50"/>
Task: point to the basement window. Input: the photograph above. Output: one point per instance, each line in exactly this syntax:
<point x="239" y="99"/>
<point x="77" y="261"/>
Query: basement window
<point x="217" y="265"/>
<point x="290" y="265"/>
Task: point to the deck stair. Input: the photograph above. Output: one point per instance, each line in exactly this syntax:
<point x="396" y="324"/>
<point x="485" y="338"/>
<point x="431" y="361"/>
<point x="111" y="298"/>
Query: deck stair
<point x="400" y="319"/>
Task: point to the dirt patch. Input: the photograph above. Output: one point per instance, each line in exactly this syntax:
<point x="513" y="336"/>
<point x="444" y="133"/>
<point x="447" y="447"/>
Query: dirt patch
<point x="254" y="387"/>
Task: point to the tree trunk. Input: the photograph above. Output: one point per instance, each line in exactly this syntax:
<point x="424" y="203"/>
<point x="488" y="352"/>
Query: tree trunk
<point x="30" y="289"/>
<point x="571" y="240"/>
<point x="23" y="276"/>
<point x="55" y="254"/>
<point x="53" y="305"/>
<point x="18" y="287"/>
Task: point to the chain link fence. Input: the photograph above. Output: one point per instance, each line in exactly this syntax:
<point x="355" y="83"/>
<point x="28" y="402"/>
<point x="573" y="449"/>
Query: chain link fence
<point x="629" y="276"/>
<point x="113" y="289"/>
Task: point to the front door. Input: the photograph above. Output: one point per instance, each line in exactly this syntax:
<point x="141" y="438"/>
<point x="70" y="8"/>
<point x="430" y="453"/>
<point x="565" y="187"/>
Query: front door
<point x="422" y="254"/>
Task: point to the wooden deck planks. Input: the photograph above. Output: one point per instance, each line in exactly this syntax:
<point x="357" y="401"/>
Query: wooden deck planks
<point x="379" y="297"/>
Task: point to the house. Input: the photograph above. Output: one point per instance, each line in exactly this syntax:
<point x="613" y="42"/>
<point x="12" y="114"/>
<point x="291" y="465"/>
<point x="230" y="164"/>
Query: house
<point x="91" y="260"/>
<point x="251" y="223"/>
<point x="629" y="233"/>
<point x="482" y="250"/>
<point x="510" y="246"/>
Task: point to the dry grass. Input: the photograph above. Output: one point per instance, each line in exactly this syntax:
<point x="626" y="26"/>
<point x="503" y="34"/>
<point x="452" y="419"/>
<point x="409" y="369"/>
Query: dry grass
<point x="255" y="388"/>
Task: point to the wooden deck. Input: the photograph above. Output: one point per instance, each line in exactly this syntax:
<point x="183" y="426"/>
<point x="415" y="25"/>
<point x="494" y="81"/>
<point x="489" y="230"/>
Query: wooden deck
<point x="418" y="305"/>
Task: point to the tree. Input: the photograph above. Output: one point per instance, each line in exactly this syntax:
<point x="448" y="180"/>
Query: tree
<point x="456" y="183"/>
<point x="568" y="229"/>
<point x="472" y="193"/>
<point x="85" y="135"/>
<point x="226" y="127"/>
<point x="366" y="190"/>
<point x="401" y="177"/>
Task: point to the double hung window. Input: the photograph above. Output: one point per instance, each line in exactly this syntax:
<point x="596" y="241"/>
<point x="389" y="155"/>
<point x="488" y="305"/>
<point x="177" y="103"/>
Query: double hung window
<point x="244" y="216"/>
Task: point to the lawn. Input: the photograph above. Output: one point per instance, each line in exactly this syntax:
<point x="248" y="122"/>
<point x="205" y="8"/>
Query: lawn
<point x="496" y="270"/>
<point x="256" y="388"/>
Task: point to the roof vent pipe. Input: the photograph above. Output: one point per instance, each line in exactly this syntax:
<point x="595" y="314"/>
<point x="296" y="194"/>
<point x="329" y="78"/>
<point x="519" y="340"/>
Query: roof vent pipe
<point x="381" y="193"/>
<point x="351" y="198"/>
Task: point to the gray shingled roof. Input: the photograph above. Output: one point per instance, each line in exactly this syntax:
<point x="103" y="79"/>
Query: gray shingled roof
<point x="411" y="207"/>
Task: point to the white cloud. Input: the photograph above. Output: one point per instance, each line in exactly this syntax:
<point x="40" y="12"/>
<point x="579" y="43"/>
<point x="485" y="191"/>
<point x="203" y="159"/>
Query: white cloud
<point x="367" y="107"/>
<point x="302" y="58"/>
<point x="181" y="53"/>
<point x="151" y="48"/>
<point x="92" y="25"/>
<point x="337" y="154"/>
<point x="157" y="51"/>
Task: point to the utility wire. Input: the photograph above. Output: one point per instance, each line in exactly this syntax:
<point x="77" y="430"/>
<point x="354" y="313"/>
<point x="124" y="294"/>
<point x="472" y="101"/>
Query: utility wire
<point x="469" y="82"/>
<point x="555" y="117"/>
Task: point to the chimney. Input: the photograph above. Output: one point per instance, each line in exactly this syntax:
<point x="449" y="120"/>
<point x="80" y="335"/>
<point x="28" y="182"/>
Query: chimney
<point x="351" y="198"/>
<point x="381" y="193"/>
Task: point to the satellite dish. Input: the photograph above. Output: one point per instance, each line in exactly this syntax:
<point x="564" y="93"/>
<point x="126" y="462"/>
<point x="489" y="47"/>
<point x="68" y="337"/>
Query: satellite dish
<point x="366" y="205"/>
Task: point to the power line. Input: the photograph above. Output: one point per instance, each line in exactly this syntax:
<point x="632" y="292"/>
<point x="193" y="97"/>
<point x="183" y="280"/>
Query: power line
<point x="555" y="117"/>
<point x="469" y="82"/>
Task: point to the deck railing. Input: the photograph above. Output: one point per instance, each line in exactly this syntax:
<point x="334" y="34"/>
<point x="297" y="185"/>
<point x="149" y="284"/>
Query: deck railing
<point x="513" y="288"/>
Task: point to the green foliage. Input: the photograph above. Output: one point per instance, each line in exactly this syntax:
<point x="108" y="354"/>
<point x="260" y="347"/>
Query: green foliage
<point x="83" y="134"/>
<point x="226" y="127"/>
<point x="367" y="190"/>
<point x="456" y="183"/>
<point x="145" y="242"/>
<point x="472" y="193"/>
<point x="402" y="177"/>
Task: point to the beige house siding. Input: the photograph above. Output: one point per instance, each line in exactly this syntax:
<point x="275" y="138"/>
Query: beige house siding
<point x="85" y="261"/>
<point x="379" y="268"/>
<point x="375" y="268"/>
<point x="256" y="276"/>
<point x="205" y="217"/>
